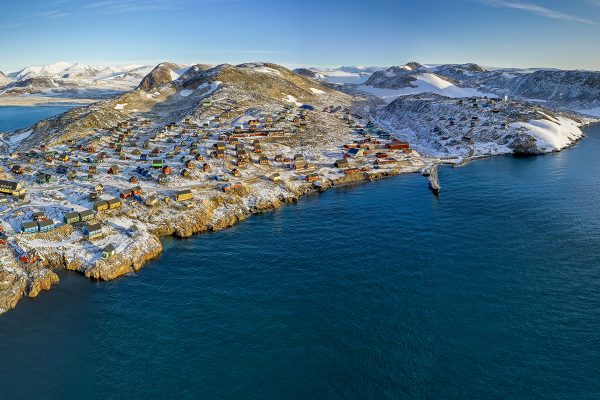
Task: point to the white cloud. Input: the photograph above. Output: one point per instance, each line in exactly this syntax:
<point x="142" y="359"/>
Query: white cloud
<point x="537" y="10"/>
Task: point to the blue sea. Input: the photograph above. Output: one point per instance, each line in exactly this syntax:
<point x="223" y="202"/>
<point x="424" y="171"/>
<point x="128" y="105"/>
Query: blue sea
<point x="374" y="291"/>
<point x="17" y="117"/>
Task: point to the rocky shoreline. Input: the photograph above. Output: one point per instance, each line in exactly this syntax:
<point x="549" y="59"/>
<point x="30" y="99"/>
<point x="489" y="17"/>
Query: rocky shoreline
<point x="148" y="247"/>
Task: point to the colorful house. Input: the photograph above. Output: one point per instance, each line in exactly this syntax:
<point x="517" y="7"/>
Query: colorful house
<point x="93" y="230"/>
<point x="71" y="217"/>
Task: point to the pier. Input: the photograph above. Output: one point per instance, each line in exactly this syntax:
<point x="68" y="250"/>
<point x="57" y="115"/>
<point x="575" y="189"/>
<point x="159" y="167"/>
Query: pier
<point x="434" y="183"/>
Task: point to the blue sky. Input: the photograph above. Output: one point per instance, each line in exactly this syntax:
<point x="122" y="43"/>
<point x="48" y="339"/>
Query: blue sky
<point x="536" y="33"/>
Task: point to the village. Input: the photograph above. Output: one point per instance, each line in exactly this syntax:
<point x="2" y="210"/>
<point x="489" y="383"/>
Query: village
<point x="92" y="199"/>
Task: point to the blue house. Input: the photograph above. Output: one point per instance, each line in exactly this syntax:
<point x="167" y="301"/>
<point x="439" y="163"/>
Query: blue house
<point x="93" y="230"/>
<point x="30" y="227"/>
<point x="46" y="225"/>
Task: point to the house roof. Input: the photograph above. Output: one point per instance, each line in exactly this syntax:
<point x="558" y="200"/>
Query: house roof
<point x="47" y="222"/>
<point x="109" y="248"/>
<point x="93" y="226"/>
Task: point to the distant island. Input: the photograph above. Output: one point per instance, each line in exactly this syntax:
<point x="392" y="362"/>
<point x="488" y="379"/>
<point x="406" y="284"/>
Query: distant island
<point x="179" y="149"/>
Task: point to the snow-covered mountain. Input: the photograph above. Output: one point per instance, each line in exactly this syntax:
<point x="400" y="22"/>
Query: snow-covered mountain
<point x="341" y="75"/>
<point x="73" y="79"/>
<point x="569" y="90"/>
<point x="3" y="79"/>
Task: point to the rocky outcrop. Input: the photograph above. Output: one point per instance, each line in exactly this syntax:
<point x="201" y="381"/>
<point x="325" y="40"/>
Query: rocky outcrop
<point x="12" y="287"/>
<point x="161" y="74"/>
<point x="40" y="279"/>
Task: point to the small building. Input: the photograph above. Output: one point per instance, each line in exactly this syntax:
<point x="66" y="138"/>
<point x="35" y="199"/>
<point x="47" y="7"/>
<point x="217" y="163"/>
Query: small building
<point x="38" y="216"/>
<point x="10" y="187"/>
<point x="314" y="177"/>
<point x="92" y="169"/>
<point x="236" y="172"/>
<point x="125" y="194"/>
<point x="137" y="190"/>
<point x="151" y="200"/>
<point x="182" y="195"/>
<point x="356" y="152"/>
<point x="263" y="160"/>
<point x="276" y="177"/>
<point x="17" y="169"/>
<point x="71" y="217"/>
<point x="157" y="163"/>
<point x="99" y="188"/>
<point x="166" y="170"/>
<point x="185" y="173"/>
<point x="108" y="251"/>
<point x="206" y="167"/>
<point x="219" y="154"/>
<point x="30" y="227"/>
<point x="398" y="146"/>
<point x="162" y="178"/>
<point x="114" y="203"/>
<point x="113" y="169"/>
<point x="220" y="146"/>
<point x="86" y="215"/>
<point x="342" y="163"/>
<point x="133" y="230"/>
<point x="43" y="177"/>
<point x="100" y="205"/>
<point x="92" y="230"/>
<point x="46" y="225"/>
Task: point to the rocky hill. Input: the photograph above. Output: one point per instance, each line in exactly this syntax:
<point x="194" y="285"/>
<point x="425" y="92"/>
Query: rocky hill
<point x="567" y="90"/>
<point x="173" y="93"/>
<point x="448" y="127"/>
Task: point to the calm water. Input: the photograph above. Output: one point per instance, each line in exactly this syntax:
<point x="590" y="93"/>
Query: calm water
<point x="16" y="117"/>
<point x="377" y="291"/>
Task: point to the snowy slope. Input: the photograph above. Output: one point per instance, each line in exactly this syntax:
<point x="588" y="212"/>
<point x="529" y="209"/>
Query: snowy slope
<point x="424" y="83"/>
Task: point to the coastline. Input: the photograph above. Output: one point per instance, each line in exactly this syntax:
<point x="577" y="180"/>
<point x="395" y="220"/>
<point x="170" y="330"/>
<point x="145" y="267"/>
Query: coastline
<point x="191" y="221"/>
<point x="147" y="246"/>
<point x="42" y="101"/>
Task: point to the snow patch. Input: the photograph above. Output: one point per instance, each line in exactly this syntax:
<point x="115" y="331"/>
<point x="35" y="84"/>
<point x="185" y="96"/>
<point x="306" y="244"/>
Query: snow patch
<point x="425" y="83"/>
<point x="14" y="139"/>
<point x="291" y="99"/>
<point x="120" y="106"/>
<point x="317" y="91"/>
<point x="186" y="92"/>
<point x="557" y="134"/>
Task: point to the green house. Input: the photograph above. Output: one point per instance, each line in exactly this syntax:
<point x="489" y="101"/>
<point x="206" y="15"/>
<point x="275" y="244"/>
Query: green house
<point x="157" y="163"/>
<point x="86" y="215"/>
<point x="71" y="217"/>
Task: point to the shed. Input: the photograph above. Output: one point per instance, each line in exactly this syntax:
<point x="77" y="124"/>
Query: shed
<point x="342" y="163"/>
<point x="182" y="195"/>
<point x="108" y="251"/>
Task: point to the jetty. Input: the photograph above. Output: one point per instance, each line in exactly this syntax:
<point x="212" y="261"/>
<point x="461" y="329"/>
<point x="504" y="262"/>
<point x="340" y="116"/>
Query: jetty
<point x="434" y="183"/>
